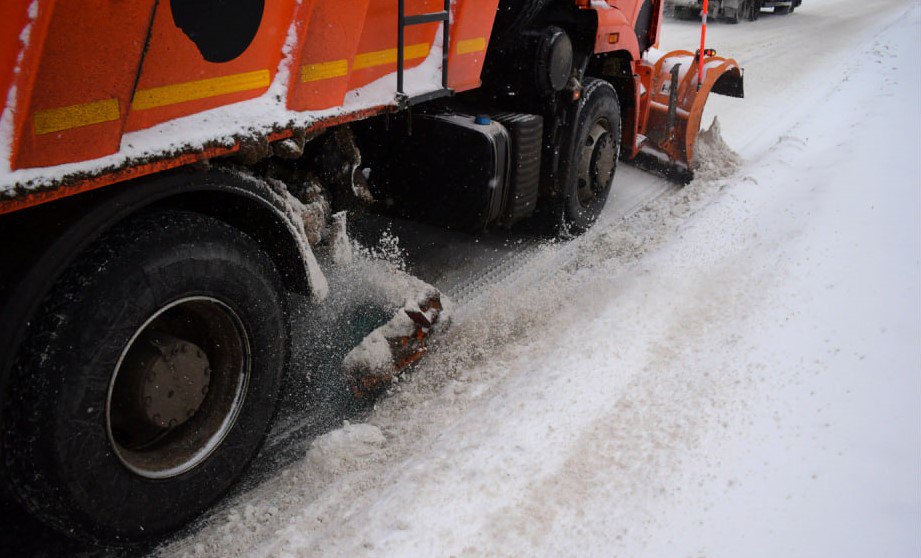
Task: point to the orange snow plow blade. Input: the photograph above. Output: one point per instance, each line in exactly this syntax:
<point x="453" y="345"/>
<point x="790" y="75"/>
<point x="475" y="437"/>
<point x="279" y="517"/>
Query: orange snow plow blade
<point x="676" y="101"/>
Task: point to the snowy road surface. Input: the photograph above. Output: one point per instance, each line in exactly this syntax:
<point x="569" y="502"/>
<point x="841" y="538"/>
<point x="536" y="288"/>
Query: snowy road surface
<point x="733" y="370"/>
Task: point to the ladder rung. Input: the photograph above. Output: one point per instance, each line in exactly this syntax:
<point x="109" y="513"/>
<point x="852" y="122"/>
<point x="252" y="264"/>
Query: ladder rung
<point x="437" y="94"/>
<point x="425" y="18"/>
<point x="404" y="21"/>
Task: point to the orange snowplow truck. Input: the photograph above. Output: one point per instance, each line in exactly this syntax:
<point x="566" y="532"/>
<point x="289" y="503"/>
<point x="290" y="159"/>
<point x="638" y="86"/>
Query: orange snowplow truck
<point x="170" y="169"/>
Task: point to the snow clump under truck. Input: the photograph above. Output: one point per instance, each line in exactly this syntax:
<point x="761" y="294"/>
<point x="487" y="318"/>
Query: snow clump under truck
<point x="169" y="170"/>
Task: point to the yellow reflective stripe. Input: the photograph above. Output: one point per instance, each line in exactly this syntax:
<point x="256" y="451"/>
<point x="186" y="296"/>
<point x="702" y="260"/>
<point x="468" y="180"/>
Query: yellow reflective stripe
<point x="324" y="70"/>
<point x="389" y="56"/>
<point x="75" y="116"/>
<point x="471" y="45"/>
<point x="201" y="89"/>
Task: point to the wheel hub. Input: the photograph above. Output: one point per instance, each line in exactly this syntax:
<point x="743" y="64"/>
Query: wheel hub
<point x="597" y="165"/>
<point x="604" y="161"/>
<point x="178" y="387"/>
<point x="171" y="379"/>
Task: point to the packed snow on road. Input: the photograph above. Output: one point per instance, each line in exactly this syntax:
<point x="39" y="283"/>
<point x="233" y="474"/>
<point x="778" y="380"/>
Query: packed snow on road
<point x="728" y="369"/>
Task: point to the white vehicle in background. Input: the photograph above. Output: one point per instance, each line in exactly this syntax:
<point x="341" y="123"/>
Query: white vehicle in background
<point x="731" y="11"/>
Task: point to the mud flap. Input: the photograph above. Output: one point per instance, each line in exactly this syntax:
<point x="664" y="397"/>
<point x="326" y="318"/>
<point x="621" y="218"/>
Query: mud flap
<point x="676" y="105"/>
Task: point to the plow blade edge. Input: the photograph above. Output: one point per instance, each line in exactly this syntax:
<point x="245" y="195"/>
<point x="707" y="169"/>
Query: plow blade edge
<point x="676" y="103"/>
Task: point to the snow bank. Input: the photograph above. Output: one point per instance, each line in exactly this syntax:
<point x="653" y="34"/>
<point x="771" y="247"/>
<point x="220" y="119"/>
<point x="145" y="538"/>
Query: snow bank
<point x="713" y="158"/>
<point x="345" y="448"/>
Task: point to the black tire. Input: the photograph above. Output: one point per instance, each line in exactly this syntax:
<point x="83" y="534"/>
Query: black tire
<point x="589" y="158"/>
<point x="754" y="10"/>
<point x="63" y="451"/>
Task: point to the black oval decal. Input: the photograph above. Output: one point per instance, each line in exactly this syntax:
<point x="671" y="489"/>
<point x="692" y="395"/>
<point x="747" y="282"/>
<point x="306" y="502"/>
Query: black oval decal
<point x="221" y="29"/>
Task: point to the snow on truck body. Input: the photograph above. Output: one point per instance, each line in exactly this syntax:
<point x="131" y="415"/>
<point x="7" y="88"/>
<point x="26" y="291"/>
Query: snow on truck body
<point x="167" y="170"/>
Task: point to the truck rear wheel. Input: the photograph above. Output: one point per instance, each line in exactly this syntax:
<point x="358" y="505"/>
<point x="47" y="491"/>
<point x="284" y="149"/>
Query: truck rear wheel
<point x="149" y="380"/>
<point x="590" y="158"/>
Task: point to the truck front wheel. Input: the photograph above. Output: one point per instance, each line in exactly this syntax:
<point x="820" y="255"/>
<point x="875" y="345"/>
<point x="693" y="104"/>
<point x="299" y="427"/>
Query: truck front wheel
<point x="149" y="380"/>
<point x="590" y="158"/>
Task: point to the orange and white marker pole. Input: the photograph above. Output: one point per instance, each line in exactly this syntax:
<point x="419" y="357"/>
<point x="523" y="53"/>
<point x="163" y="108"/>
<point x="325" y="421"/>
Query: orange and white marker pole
<point x="703" y="43"/>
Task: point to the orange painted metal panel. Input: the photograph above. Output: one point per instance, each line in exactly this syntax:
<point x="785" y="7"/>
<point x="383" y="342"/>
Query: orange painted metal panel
<point x="612" y="20"/>
<point x="320" y="77"/>
<point x="90" y="53"/>
<point x="640" y="114"/>
<point x="470" y="33"/>
<point x="620" y="16"/>
<point x="691" y="99"/>
<point x="24" y="49"/>
<point x="94" y="80"/>
<point x="378" y="43"/>
<point x="176" y="79"/>
<point x="14" y="15"/>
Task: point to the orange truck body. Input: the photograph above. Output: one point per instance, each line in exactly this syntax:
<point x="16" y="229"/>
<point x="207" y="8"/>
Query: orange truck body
<point x="81" y="76"/>
<point x="100" y="92"/>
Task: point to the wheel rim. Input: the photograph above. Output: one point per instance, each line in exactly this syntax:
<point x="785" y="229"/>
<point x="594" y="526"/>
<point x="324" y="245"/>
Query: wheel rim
<point x="178" y="387"/>
<point x="597" y="164"/>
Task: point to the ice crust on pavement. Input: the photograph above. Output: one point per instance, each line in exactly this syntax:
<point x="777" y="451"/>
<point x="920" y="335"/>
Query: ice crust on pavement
<point x="731" y="370"/>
